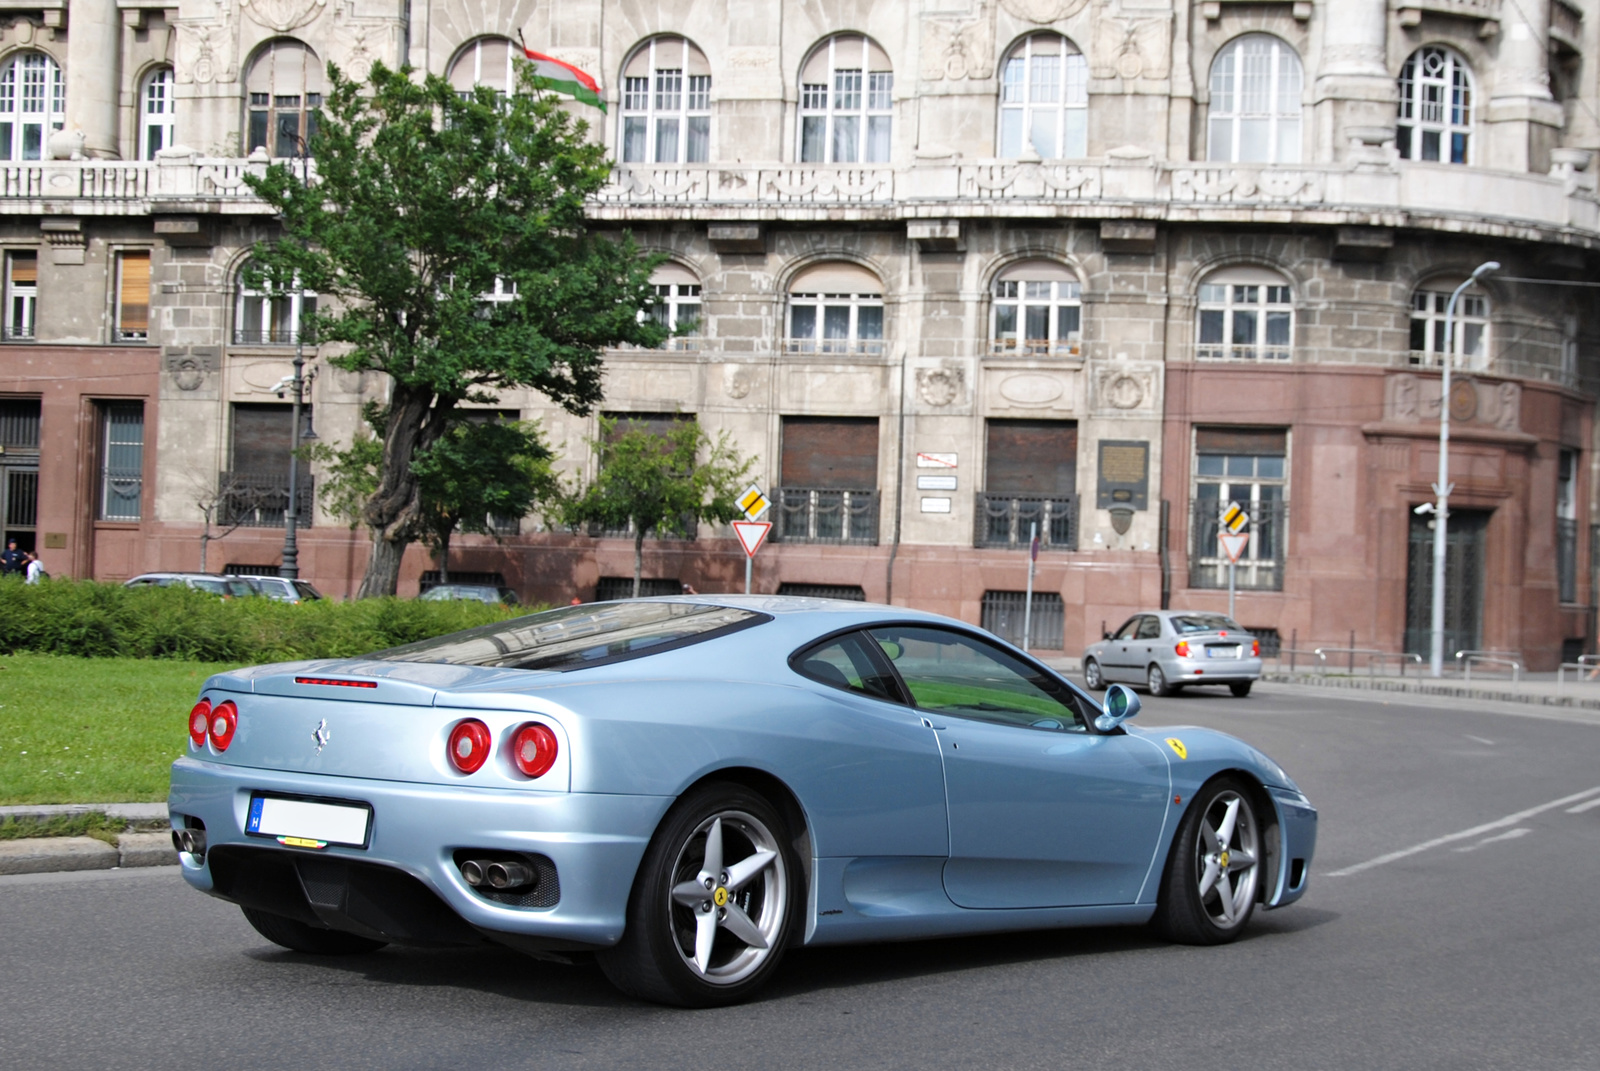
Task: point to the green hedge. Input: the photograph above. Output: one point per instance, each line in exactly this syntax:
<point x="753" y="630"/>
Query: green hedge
<point x="96" y="620"/>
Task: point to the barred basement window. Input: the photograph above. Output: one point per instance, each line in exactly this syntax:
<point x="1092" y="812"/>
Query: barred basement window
<point x="611" y="588"/>
<point x="121" y="461"/>
<point x="1003" y="614"/>
<point x="847" y="592"/>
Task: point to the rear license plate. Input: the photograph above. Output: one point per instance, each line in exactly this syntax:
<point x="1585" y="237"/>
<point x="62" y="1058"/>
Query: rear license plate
<point x="1223" y="652"/>
<point x="300" y="823"/>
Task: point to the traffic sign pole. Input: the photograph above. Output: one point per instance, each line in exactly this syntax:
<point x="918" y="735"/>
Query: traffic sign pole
<point x="747" y="561"/>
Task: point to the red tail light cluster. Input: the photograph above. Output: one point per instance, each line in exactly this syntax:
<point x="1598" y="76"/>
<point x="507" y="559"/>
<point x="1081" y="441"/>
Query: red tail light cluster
<point x="1182" y="648"/>
<point x="533" y="747"/>
<point x="200" y="723"/>
<point x="224" y="720"/>
<point x="1255" y="648"/>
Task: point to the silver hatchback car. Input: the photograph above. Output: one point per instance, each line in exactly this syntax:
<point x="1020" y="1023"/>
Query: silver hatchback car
<point x="1168" y="649"/>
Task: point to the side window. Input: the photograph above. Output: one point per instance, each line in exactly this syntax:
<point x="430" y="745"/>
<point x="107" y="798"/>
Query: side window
<point x="967" y="678"/>
<point x="847" y="663"/>
<point x="1149" y="628"/>
<point x="1128" y="628"/>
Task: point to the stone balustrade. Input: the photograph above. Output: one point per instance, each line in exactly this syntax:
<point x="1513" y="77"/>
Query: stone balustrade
<point x="1386" y="193"/>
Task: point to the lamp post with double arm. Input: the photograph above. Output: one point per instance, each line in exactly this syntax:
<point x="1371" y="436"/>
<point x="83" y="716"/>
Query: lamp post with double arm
<point x="290" y="568"/>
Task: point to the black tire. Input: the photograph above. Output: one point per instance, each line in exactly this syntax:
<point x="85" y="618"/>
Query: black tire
<point x="1157" y="681"/>
<point x="1183" y="913"/>
<point x="1092" y="677"/>
<point x="653" y="960"/>
<point x="1240" y="689"/>
<point x="299" y="937"/>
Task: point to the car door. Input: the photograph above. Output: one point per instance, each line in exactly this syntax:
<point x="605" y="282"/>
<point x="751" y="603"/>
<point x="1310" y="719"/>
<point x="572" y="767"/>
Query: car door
<point x="1043" y="811"/>
<point x="1119" y="662"/>
<point x="1144" y="646"/>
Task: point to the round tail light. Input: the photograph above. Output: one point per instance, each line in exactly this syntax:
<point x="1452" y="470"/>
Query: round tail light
<point x="224" y="720"/>
<point x="200" y="723"/>
<point x="1255" y="648"/>
<point x="1182" y="648"/>
<point x="533" y="749"/>
<point x="469" y="745"/>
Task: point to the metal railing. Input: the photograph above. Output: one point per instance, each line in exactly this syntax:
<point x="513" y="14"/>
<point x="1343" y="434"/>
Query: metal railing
<point x="844" y="347"/>
<point x="260" y="500"/>
<point x="1586" y="664"/>
<point x="1374" y="657"/>
<point x="1219" y="351"/>
<point x="826" y="515"/>
<point x="1510" y="659"/>
<point x="1002" y="520"/>
<point x="269" y="336"/>
<point x="688" y="529"/>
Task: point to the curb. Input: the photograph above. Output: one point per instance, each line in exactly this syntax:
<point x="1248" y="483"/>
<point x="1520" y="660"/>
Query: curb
<point x="43" y="812"/>
<point x="44" y="855"/>
<point x="1445" y="691"/>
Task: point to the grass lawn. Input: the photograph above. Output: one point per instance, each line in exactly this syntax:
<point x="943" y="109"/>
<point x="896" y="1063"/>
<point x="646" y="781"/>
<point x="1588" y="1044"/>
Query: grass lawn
<point x="93" y="730"/>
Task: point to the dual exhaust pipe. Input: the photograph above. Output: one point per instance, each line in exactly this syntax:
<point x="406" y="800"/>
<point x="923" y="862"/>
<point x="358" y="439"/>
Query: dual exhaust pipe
<point x="498" y="874"/>
<point x="191" y="841"/>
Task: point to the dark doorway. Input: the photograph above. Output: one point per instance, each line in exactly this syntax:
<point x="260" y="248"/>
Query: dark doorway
<point x="19" y="470"/>
<point x="1463" y="580"/>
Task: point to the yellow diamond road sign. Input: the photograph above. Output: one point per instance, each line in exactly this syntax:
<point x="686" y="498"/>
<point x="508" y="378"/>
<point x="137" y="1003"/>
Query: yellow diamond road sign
<point x="1234" y="518"/>
<point x="753" y="502"/>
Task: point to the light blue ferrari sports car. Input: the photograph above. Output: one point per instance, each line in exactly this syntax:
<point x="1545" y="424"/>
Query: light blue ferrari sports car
<point x="686" y="787"/>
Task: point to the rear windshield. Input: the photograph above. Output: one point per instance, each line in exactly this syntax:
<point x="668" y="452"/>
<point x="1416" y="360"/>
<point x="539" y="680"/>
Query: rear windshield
<point x="575" y="637"/>
<point x="1205" y="623"/>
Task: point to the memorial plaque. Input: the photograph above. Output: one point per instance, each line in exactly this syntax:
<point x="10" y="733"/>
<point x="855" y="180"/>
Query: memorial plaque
<point x="1124" y="477"/>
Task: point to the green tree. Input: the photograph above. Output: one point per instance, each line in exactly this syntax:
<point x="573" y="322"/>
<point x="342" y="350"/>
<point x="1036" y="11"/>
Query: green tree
<point x="426" y="200"/>
<point x="477" y="471"/>
<point x="657" y="482"/>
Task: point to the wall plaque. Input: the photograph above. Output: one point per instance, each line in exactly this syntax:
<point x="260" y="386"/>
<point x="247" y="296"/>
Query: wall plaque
<point x="1124" y="475"/>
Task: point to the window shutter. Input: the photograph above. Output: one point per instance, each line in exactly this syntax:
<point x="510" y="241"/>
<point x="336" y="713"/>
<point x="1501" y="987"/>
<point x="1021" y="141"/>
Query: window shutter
<point x="133" y="302"/>
<point x="832" y="453"/>
<point x="1260" y="442"/>
<point x="1031" y="457"/>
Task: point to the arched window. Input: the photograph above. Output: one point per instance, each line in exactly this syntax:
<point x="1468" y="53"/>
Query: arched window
<point x="284" y="90"/>
<point x="157" y="107"/>
<point x="1246" y="314"/>
<point x="1470" y="344"/>
<point x="33" y="104"/>
<point x="1435" y="120"/>
<point x="677" y="305"/>
<point x="1044" y="99"/>
<point x="835" y="308"/>
<point x="260" y="319"/>
<point x="1256" y="85"/>
<point x="846" y="103"/>
<point x="1037" y="310"/>
<point x="484" y="62"/>
<point x="666" y="104"/>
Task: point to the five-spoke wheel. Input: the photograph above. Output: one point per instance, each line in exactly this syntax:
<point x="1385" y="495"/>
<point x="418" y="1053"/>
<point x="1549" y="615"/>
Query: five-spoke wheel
<point x="1158" y="683"/>
<point x="1092" y="677"/>
<point x="1209" y="890"/>
<point x="714" y="903"/>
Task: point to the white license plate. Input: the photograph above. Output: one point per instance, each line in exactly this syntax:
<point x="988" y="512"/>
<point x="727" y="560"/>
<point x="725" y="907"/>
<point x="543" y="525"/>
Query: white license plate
<point x="307" y="823"/>
<point x="1223" y="652"/>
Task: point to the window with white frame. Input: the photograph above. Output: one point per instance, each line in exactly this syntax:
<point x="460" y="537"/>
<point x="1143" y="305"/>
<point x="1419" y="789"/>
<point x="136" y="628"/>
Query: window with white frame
<point x="677" y="305"/>
<point x="22" y="294"/>
<point x="1435" y="121"/>
<point x="265" y="319"/>
<point x="835" y="308"/>
<point x="1256" y="86"/>
<point x="284" y="93"/>
<point x="484" y="62"/>
<point x="33" y="104"/>
<point x="846" y="103"/>
<point x="1044" y="99"/>
<point x="666" y="104"/>
<point x="1245" y="314"/>
<point x="157" y="111"/>
<point x="1430" y="333"/>
<point x="1037" y="311"/>
<point x="1248" y="466"/>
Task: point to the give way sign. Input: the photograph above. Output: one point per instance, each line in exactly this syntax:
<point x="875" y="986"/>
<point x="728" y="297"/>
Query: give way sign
<point x="1233" y="544"/>
<point x="751" y="535"/>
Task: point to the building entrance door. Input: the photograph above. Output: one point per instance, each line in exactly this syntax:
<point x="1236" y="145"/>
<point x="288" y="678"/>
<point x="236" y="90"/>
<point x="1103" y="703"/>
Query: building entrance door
<point x="1463" y="583"/>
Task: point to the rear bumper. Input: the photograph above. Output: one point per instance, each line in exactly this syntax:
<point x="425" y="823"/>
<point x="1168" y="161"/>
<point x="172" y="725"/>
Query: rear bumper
<point x="1214" y="670"/>
<point x="594" y="841"/>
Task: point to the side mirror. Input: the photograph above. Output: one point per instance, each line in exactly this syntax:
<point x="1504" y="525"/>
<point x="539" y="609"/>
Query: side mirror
<point x="1105" y="634"/>
<point x="1121" y="704"/>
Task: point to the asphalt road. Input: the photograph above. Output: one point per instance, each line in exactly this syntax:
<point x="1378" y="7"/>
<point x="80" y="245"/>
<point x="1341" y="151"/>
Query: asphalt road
<point x="1480" y="951"/>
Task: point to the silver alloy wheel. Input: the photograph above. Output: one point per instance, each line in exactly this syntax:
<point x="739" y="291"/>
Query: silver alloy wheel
<point x="1228" y="849"/>
<point x="1157" y="680"/>
<point x="726" y="917"/>
<point x="1091" y="675"/>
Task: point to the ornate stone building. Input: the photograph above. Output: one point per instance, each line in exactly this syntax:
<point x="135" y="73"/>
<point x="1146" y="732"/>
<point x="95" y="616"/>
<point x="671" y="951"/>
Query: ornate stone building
<point x="951" y="269"/>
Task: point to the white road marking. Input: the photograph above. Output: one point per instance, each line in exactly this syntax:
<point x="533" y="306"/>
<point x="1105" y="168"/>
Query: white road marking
<point x="1481" y="740"/>
<point x="1511" y="834"/>
<point x="1580" y="808"/>
<point x="1465" y="834"/>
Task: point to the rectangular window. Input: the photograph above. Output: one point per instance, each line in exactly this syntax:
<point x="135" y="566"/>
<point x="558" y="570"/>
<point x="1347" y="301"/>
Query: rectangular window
<point x="1567" y="526"/>
<point x="258" y="127"/>
<point x="880" y="91"/>
<point x="133" y="297"/>
<point x="669" y="90"/>
<point x="1030" y="481"/>
<point x="699" y="92"/>
<point x="847" y="90"/>
<point x="667" y="141"/>
<point x="635" y="132"/>
<point x="1247" y="466"/>
<point x="829" y="479"/>
<point x="813" y="139"/>
<point x="22" y="294"/>
<point x="122" y="461"/>
<point x="699" y="148"/>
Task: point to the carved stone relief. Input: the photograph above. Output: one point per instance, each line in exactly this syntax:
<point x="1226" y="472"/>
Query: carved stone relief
<point x="190" y="366"/>
<point x="1129" y="48"/>
<point x="1044" y="11"/>
<point x="282" y="15"/>
<point x="736" y="382"/>
<point x="1032" y="389"/>
<point x="955" y="49"/>
<point x="941" y="386"/>
<point x="1412" y="399"/>
<point x="208" y="48"/>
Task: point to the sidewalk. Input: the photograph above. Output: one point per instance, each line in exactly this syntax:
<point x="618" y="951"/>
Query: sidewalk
<point x="135" y="848"/>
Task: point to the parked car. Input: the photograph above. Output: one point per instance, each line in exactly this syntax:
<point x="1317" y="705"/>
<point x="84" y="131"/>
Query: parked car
<point x="1166" y="650"/>
<point x="229" y="587"/>
<point x="276" y="587"/>
<point x="688" y="786"/>
<point x="473" y="592"/>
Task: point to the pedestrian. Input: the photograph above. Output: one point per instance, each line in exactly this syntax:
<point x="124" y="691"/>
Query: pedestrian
<point x="35" y="569"/>
<point x="12" y="560"/>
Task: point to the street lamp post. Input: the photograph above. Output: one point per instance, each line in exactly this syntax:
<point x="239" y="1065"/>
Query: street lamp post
<point x="1441" y="510"/>
<point x="290" y="568"/>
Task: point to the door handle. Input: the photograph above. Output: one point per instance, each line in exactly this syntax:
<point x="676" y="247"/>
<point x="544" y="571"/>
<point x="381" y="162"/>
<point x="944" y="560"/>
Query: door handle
<point x="932" y="726"/>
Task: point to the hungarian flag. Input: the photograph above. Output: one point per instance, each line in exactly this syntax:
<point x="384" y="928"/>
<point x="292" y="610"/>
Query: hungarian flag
<point x="558" y="77"/>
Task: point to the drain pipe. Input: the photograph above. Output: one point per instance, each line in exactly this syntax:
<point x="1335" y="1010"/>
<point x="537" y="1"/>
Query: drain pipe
<point x="1166" y="558"/>
<point x="899" y="481"/>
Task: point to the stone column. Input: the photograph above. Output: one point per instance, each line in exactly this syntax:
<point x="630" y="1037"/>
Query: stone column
<point x="93" y="74"/>
<point x="1523" y="118"/>
<point x="1354" y="89"/>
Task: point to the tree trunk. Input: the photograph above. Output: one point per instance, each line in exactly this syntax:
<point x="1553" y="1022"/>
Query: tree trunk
<point x="444" y="557"/>
<point x="638" y="557"/>
<point x="383" y="568"/>
<point x="205" y="539"/>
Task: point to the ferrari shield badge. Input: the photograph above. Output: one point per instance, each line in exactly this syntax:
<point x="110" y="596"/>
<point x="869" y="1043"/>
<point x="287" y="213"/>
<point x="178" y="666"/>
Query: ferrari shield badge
<point x="1177" y="747"/>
